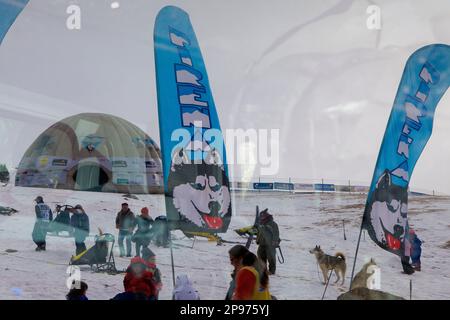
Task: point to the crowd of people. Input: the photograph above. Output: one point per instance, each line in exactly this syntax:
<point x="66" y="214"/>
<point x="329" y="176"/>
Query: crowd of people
<point x="142" y="280"/>
<point x="250" y="277"/>
<point x="140" y="230"/>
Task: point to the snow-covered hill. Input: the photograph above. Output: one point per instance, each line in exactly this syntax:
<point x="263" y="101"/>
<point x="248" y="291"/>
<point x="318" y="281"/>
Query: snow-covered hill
<point x="305" y="220"/>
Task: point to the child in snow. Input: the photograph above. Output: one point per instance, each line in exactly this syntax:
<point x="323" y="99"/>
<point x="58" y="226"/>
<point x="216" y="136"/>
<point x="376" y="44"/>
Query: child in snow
<point x="184" y="289"/>
<point x="78" y="292"/>
<point x="416" y="249"/>
<point x="150" y="260"/>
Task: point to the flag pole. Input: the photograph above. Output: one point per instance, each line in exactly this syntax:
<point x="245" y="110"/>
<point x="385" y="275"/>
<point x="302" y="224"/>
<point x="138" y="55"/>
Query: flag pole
<point x="328" y="282"/>
<point x="356" y="252"/>
<point x="171" y="259"/>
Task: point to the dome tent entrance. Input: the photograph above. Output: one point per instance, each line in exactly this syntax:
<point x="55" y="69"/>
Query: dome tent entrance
<point x="93" y="152"/>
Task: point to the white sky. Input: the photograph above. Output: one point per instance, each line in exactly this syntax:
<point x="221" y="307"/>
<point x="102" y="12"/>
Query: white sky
<point x="309" y="68"/>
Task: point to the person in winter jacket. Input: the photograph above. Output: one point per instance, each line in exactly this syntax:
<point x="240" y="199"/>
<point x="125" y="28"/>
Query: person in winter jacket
<point x="143" y="234"/>
<point x="80" y="224"/>
<point x="150" y="261"/>
<point x="237" y="254"/>
<point x="62" y="220"/>
<point x="251" y="284"/>
<point x="161" y="233"/>
<point x="125" y="222"/>
<point x="44" y="216"/>
<point x="184" y="289"/>
<point x="416" y="250"/>
<point x="268" y="240"/>
<point x="139" y="280"/>
<point x="78" y="293"/>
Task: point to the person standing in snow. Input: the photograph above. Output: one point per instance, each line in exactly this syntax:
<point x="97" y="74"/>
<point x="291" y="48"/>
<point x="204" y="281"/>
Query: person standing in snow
<point x="80" y="224"/>
<point x="416" y="250"/>
<point x="150" y="260"/>
<point x="268" y="240"/>
<point x="44" y="216"/>
<point x="237" y="254"/>
<point x="184" y="289"/>
<point x="143" y="234"/>
<point x="406" y="255"/>
<point x="161" y="232"/>
<point x="125" y="222"/>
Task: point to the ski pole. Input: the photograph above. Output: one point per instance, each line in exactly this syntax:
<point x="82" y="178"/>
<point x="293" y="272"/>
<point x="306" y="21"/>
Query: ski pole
<point x="326" y="287"/>
<point x="410" y="289"/>
<point x="343" y="226"/>
<point x="171" y="258"/>
<point x="281" y="261"/>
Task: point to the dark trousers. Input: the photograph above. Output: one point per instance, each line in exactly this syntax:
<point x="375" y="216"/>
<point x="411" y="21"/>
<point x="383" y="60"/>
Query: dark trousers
<point x="268" y="254"/>
<point x="80" y="247"/>
<point x="80" y="237"/>
<point x="39" y="234"/>
<point x="139" y="245"/>
<point x="407" y="268"/>
<point x="124" y="235"/>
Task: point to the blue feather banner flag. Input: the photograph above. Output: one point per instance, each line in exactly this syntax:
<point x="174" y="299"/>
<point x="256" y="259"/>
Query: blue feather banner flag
<point x="425" y="80"/>
<point x="9" y="10"/>
<point x="196" y="180"/>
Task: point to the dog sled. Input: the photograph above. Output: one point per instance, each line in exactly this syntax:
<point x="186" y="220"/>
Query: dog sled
<point x="100" y="257"/>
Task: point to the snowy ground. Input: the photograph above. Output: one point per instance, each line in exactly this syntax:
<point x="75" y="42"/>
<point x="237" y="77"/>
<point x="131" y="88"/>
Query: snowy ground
<point x="305" y="220"/>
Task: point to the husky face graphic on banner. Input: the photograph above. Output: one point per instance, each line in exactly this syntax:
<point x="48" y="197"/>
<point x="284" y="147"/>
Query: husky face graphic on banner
<point x="200" y="194"/>
<point x="425" y="80"/>
<point x="388" y="210"/>
<point x="196" y="182"/>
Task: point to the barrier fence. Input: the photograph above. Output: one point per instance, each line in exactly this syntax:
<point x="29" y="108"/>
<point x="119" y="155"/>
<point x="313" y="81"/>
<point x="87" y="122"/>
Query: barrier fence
<point x="314" y="185"/>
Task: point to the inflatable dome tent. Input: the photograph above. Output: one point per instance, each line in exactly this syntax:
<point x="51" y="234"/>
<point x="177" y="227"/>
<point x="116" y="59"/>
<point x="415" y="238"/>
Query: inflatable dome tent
<point x="93" y="152"/>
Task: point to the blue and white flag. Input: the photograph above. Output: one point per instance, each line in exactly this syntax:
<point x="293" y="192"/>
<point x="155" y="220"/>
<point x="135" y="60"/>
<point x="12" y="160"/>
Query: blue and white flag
<point x="425" y="80"/>
<point x="9" y="10"/>
<point x="194" y="163"/>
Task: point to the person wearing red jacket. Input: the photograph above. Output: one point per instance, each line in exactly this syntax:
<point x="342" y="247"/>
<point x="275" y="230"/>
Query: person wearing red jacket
<point x="150" y="261"/>
<point x="139" y="280"/>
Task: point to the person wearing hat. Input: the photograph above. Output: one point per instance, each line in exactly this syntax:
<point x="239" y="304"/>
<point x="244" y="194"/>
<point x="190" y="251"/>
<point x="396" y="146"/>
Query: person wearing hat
<point x="125" y="222"/>
<point x="44" y="216"/>
<point x="268" y="240"/>
<point x="80" y="224"/>
<point x="150" y="260"/>
<point x="139" y="280"/>
<point x="143" y="234"/>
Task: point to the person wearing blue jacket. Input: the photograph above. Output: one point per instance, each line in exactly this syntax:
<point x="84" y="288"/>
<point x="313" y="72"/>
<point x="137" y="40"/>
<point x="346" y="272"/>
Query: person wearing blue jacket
<point x="80" y="224"/>
<point x="416" y="250"/>
<point x="44" y="216"/>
